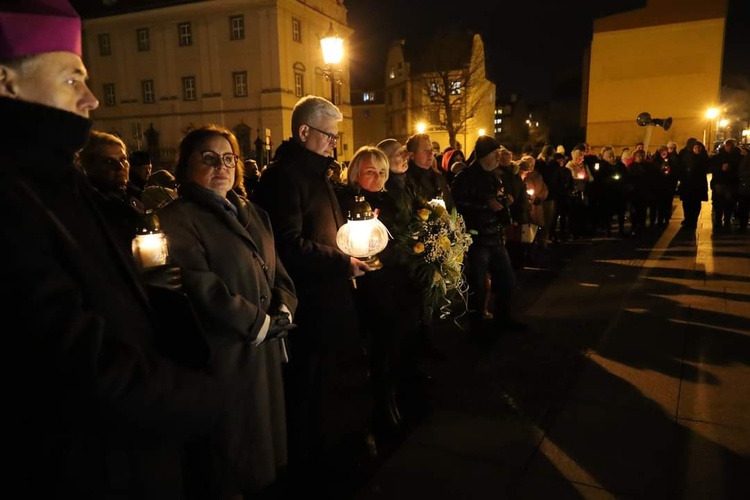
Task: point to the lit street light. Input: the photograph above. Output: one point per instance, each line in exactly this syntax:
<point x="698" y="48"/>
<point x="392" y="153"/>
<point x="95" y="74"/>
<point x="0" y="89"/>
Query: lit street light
<point x="711" y="114"/>
<point x="332" y="46"/>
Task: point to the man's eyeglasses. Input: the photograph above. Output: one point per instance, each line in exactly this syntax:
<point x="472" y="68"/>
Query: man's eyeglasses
<point x="114" y="163"/>
<point x="215" y="160"/>
<point x="332" y="138"/>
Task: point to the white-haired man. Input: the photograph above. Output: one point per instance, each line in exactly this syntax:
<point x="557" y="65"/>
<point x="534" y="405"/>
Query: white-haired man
<point x="299" y="197"/>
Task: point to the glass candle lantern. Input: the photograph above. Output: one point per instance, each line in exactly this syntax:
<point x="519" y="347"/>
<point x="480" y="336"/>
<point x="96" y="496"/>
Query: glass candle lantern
<point x="363" y="236"/>
<point x="150" y="243"/>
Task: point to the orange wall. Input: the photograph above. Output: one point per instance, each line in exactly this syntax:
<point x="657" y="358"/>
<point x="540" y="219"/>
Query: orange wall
<point x="669" y="70"/>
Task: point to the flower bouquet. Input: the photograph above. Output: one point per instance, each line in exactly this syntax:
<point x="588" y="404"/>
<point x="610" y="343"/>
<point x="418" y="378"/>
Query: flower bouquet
<point x="435" y="242"/>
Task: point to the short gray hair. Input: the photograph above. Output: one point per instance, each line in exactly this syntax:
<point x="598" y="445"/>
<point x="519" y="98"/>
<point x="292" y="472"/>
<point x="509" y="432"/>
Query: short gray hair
<point x="310" y="108"/>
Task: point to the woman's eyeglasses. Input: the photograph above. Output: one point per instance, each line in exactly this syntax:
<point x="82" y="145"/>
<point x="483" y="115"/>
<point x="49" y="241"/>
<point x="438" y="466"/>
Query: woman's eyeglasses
<point x="332" y="138"/>
<point x="215" y="160"/>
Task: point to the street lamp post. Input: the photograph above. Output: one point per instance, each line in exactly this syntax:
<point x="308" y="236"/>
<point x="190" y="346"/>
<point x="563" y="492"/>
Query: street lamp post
<point x="332" y="46"/>
<point x="711" y="114"/>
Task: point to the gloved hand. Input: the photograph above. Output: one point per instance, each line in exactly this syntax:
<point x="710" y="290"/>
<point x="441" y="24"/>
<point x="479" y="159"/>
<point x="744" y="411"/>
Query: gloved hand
<point x="280" y="326"/>
<point x="166" y="276"/>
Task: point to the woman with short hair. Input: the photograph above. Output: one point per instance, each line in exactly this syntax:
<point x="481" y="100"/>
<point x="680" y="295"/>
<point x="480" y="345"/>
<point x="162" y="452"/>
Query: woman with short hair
<point x="244" y="299"/>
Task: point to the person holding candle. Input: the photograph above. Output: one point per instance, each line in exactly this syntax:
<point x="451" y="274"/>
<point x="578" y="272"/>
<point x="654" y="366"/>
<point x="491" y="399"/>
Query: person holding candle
<point x="105" y="160"/>
<point x="640" y="177"/>
<point x="482" y="199"/>
<point x="388" y="301"/>
<point x="95" y="408"/>
<point x="244" y="298"/>
<point x="578" y="200"/>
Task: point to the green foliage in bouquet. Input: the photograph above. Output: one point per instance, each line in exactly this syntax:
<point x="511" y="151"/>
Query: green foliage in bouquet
<point x="436" y="242"/>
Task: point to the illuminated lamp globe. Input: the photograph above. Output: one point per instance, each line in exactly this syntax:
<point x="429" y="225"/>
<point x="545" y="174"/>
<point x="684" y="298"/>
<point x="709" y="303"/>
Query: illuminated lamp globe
<point x="363" y="236"/>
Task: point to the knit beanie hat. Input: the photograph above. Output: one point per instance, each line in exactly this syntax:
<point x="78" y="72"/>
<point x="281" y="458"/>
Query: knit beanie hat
<point x="485" y="145"/>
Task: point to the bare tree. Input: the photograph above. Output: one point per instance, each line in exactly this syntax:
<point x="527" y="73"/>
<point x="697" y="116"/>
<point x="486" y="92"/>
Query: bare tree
<point x="453" y="82"/>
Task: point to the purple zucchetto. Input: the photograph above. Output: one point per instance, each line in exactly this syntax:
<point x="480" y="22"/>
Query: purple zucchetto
<point x="29" y="27"/>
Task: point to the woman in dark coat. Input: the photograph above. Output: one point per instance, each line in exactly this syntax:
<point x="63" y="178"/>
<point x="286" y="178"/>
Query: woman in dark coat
<point x="693" y="184"/>
<point x="244" y="299"/>
<point x="388" y="302"/>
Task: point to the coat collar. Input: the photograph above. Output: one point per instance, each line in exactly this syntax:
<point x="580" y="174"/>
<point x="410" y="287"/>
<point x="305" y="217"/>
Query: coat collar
<point x="32" y="127"/>
<point x="293" y="153"/>
<point x="234" y="210"/>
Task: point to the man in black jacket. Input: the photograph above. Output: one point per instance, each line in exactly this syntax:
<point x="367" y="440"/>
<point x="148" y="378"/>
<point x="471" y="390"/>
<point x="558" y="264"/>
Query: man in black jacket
<point x="97" y="410"/>
<point x="724" y="184"/>
<point x="429" y="182"/>
<point x="305" y="215"/>
<point x="481" y="199"/>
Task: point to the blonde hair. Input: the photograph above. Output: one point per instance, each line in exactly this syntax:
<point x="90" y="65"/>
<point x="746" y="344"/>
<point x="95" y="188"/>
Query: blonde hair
<point x="375" y="155"/>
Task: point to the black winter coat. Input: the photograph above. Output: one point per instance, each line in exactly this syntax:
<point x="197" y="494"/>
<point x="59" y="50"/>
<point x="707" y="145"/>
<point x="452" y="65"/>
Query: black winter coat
<point x="693" y="184"/>
<point x="94" y="410"/>
<point x="429" y="184"/>
<point x="231" y="272"/>
<point x="305" y="216"/>
<point x="472" y="190"/>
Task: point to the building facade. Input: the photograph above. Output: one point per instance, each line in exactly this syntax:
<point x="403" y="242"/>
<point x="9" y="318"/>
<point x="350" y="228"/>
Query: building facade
<point x="243" y="64"/>
<point x="423" y="88"/>
<point x="664" y="59"/>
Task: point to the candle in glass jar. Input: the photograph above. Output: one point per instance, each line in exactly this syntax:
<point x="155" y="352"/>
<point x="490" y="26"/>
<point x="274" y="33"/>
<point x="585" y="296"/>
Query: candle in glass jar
<point x="150" y="250"/>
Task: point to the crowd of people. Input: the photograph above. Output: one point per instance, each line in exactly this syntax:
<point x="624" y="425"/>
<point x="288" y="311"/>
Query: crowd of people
<point x="228" y="371"/>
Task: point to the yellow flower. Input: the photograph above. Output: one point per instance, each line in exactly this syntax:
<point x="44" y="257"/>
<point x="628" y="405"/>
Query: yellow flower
<point x="436" y="278"/>
<point x="424" y="213"/>
<point x="418" y="247"/>
<point x="444" y="243"/>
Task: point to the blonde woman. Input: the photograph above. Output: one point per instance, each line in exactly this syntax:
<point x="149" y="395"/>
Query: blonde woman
<point x="388" y="302"/>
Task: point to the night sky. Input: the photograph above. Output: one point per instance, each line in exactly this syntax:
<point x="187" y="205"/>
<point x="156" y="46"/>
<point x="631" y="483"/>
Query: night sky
<point x="530" y="44"/>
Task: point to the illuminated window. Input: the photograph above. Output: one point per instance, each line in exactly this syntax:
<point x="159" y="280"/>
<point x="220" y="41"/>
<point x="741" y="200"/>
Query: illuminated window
<point x="392" y="73"/>
<point x="368" y="96"/>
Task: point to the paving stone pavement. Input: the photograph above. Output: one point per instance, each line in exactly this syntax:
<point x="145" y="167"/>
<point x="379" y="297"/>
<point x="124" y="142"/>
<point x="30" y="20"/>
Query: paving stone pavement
<point x="632" y="382"/>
